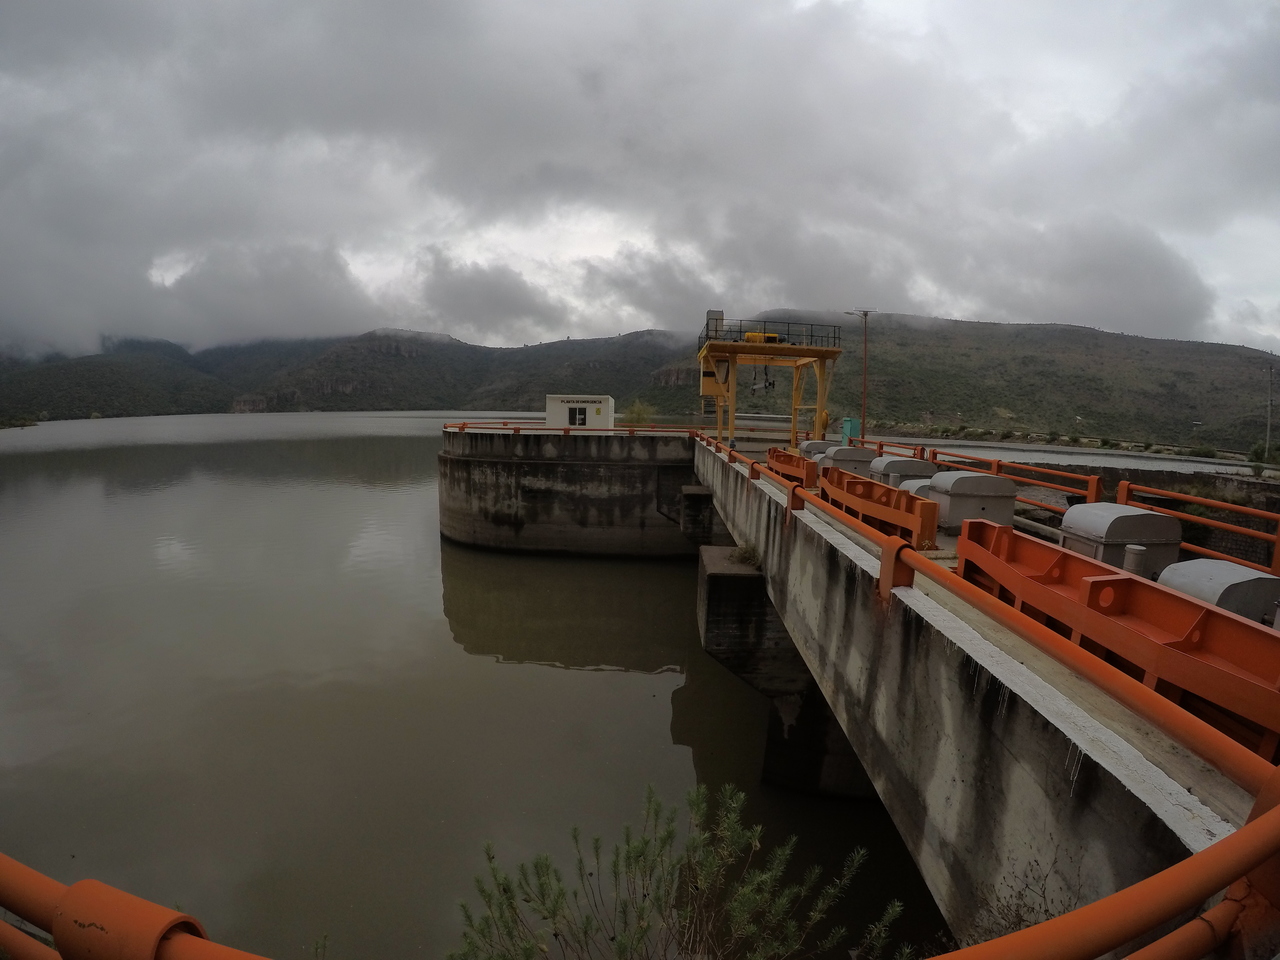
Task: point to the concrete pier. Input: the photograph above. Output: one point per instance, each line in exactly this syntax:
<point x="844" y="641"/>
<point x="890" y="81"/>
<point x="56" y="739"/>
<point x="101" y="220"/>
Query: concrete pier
<point x="805" y="748"/>
<point x="608" y="494"/>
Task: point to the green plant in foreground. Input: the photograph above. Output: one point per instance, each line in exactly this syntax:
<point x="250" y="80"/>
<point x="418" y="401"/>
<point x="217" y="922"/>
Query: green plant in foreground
<point x="658" y="899"/>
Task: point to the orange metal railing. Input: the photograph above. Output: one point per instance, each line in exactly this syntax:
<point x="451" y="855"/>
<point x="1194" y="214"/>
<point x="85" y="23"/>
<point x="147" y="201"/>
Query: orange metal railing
<point x="793" y="466"/>
<point x="92" y="921"/>
<point x="1107" y="924"/>
<point x="885" y="448"/>
<point x="1131" y="493"/>
<point x="1089" y="487"/>
<point x="628" y="429"/>
<point x="1173" y="643"/>
<point x="891" y="511"/>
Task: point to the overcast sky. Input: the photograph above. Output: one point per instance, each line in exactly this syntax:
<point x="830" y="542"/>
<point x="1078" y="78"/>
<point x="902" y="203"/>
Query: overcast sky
<point x="519" y="170"/>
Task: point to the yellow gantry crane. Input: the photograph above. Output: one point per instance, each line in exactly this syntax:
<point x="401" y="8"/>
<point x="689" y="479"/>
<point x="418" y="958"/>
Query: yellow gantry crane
<point x="725" y="344"/>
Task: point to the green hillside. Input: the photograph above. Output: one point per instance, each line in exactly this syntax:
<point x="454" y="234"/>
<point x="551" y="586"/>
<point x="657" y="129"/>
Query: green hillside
<point x="247" y="366"/>
<point x="397" y="371"/>
<point x="925" y="375"/>
<point x="935" y="376"/>
<point x="120" y="383"/>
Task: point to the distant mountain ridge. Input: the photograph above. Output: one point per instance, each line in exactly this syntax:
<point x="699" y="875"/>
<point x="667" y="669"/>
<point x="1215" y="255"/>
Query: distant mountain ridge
<point x="936" y="373"/>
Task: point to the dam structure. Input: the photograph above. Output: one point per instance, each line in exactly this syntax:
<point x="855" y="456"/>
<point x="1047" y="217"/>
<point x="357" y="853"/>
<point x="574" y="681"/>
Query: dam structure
<point x="1080" y="758"/>
<point x="1063" y="791"/>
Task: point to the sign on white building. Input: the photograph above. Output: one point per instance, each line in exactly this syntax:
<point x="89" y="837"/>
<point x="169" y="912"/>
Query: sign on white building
<point x="579" y="410"/>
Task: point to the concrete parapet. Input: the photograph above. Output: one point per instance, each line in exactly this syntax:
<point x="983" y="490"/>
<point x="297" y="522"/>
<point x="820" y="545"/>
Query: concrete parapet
<point x="608" y="494"/>
<point x="1021" y="790"/>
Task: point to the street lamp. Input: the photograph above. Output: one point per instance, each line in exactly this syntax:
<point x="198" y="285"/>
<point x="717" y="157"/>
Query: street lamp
<point x="862" y="424"/>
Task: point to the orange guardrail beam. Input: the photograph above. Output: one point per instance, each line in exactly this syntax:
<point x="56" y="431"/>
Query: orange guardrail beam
<point x="1190" y="645"/>
<point x="793" y="466"/>
<point x="888" y="509"/>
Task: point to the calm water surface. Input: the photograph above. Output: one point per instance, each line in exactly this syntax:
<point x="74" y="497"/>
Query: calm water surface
<point x="249" y="678"/>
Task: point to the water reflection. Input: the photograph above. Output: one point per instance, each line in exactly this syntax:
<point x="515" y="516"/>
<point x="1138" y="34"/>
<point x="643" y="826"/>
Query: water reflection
<point x="251" y="680"/>
<point x="638" y="615"/>
<point x="587" y="614"/>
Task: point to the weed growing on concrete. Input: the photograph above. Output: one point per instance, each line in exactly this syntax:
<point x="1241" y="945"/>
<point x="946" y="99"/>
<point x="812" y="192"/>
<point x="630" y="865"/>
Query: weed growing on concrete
<point x="746" y="554"/>
<point x="1036" y="895"/>
<point x="655" y="898"/>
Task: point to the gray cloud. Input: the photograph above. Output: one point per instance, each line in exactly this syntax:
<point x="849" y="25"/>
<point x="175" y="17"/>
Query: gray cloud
<point x="513" y="170"/>
<point x="236" y="292"/>
<point x="471" y="300"/>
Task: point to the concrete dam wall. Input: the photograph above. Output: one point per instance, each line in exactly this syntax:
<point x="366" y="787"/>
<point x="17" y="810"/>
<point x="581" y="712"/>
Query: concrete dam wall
<point x="1021" y="790"/>
<point x="604" y="494"/>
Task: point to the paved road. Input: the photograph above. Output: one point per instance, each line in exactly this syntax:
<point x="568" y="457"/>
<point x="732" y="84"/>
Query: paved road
<point x="1082" y="456"/>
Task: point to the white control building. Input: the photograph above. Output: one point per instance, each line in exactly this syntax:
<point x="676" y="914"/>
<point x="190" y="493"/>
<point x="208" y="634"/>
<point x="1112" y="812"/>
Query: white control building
<point x="579" y="410"/>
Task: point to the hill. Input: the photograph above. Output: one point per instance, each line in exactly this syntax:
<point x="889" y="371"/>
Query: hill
<point x="942" y="376"/>
<point x="926" y="375"/>
<point x="129" y="379"/>
<point x="395" y="370"/>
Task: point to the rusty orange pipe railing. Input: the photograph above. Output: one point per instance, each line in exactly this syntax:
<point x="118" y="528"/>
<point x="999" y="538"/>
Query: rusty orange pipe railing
<point x="1126" y="492"/>
<point x="1090" y="488"/>
<point x="91" y="921"/>
<point x="1193" y="940"/>
<point x="540" y="426"/>
<point x="1113" y="921"/>
<point x="16" y="945"/>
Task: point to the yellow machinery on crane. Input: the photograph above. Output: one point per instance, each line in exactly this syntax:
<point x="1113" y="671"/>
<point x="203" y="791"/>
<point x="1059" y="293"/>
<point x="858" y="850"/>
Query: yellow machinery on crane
<point x="726" y="344"/>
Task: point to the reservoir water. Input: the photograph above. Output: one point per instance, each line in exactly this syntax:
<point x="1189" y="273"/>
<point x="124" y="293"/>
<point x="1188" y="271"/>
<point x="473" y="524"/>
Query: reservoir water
<point x="240" y="672"/>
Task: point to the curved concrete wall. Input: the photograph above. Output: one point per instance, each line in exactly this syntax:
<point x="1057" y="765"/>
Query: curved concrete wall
<point x="580" y="493"/>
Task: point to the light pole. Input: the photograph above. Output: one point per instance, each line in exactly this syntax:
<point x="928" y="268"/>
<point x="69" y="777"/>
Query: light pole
<point x="1266" y="453"/>
<point x="862" y="424"/>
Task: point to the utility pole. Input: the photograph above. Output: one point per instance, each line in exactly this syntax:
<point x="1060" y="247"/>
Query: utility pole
<point x="1266" y="452"/>
<point x="862" y="424"/>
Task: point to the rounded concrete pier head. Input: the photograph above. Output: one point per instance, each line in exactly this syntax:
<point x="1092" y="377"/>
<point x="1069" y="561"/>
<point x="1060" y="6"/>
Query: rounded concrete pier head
<point x="586" y="493"/>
